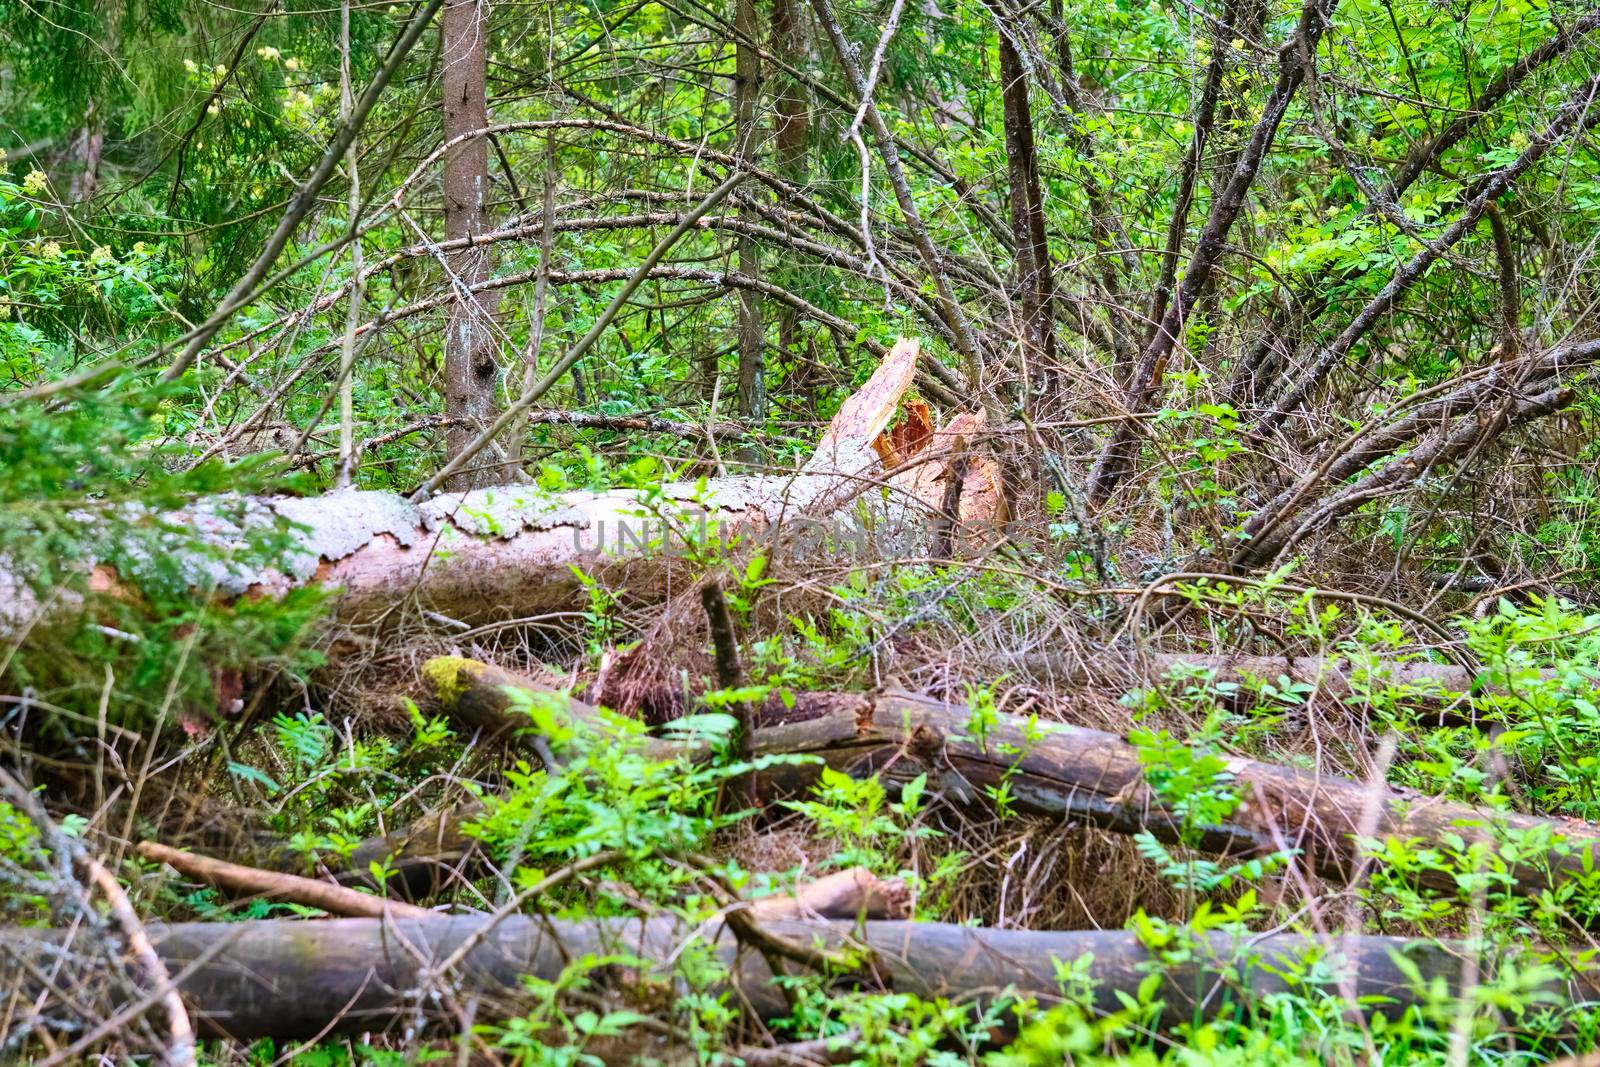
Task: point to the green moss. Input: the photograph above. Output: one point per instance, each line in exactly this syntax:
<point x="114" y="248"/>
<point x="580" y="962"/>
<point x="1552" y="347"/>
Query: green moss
<point x="447" y="677"/>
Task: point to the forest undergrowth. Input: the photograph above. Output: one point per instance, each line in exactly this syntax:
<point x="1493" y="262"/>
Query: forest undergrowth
<point x="781" y="534"/>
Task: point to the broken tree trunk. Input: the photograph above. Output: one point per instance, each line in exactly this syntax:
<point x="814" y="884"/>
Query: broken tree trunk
<point x="1058" y="770"/>
<point x="290" y="979"/>
<point x="508" y="552"/>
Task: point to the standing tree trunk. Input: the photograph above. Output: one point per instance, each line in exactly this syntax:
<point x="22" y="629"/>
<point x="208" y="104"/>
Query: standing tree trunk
<point x="86" y="150"/>
<point x="747" y="90"/>
<point x="1034" y="278"/>
<point x="471" y="368"/>
<point x="791" y="128"/>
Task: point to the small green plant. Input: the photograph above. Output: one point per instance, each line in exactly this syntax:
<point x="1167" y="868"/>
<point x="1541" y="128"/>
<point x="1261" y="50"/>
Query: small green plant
<point x="612" y="792"/>
<point x="26" y="879"/>
<point x="1193" y="782"/>
<point x="857" y="817"/>
<point x="554" y="1034"/>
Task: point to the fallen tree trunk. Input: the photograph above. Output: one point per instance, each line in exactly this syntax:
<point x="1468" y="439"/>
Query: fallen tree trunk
<point x="510" y="551"/>
<point x="1098" y="777"/>
<point x="292" y="979"/>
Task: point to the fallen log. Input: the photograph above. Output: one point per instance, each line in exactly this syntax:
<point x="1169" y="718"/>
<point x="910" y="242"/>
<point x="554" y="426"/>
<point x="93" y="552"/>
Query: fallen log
<point x="510" y="551"/>
<point x="1097" y="777"/>
<point x="292" y="979"/>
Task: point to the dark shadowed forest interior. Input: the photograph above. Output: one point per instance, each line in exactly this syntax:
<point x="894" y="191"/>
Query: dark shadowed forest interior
<point x="787" y="533"/>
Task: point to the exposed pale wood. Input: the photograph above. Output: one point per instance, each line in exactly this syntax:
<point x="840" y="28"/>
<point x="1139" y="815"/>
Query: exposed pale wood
<point x="848" y="445"/>
<point x="850" y="894"/>
<point x="926" y="465"/>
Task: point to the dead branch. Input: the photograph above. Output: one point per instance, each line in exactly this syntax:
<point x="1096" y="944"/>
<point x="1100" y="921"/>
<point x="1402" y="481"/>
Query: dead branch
<point x="1294" y="61"/>
<point x="1509" y="344"/>
<point x="72" y="861"/>
<point x="1429" y="151"/>
<point x="1432" y="431"/>
<point x="180" y="1033"/>
<point x="730" y="675"/>
<point x="1575" y="116"/>
<point x="254" y="279"/>
<point x="1098" y="778"/>
<point x="237" y="880"/>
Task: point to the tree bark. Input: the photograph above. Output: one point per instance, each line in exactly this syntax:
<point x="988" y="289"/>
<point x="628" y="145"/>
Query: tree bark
<point x="791" y="129"/>
<point x="1099" y="778"/>
<point x="1034" y="279"/>
<point x="292" y="979"/>
<point x="1189" y="171"/>
<point x="471" y="360"/>
<point x="87" y="146"/>
<point x="1053" y="769"/>
<point x="747" y="93"/>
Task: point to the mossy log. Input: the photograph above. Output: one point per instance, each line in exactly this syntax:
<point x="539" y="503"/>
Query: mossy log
<point x="294" y="979"/>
